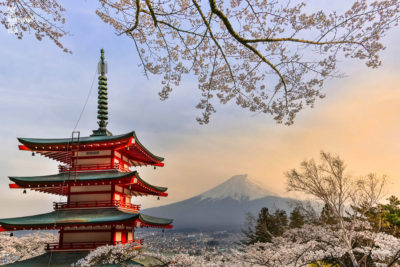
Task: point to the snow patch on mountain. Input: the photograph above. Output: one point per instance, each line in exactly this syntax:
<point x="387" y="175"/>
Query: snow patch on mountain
<point x="238" y="187"/>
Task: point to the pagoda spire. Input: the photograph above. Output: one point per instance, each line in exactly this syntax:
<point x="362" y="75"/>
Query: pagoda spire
<point x="102" y="107"/>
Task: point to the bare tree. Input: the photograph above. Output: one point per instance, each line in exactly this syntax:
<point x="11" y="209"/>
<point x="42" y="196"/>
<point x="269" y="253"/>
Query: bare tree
<point x="329" y="183"/>
<point x="268" y="56"/>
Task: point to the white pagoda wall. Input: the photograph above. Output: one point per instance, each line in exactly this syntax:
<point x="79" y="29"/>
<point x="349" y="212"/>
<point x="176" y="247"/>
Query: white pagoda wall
<point x="91" y="196"/>
<point x="87" y="237"/>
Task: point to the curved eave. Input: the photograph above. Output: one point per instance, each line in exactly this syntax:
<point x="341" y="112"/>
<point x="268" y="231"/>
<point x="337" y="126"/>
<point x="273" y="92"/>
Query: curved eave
<point x="70" y="217"/>
<point x="67" y="141"/>
<point x="155" y="221"/>
<point x="42" y="145"/>
<point x="60" y="179"/>
<point x="77" y="217"/>
<point x="157" y="188"/>
<point x="158" y="158"/>
<point x="63" y="177"/>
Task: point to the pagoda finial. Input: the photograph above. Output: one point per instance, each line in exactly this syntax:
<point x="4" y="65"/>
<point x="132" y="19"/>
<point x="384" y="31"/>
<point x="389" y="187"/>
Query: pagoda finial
<point x="102" y="108"/>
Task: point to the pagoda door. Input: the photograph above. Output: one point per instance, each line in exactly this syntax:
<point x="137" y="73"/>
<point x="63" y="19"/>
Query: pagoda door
<point x="118" y="237"/>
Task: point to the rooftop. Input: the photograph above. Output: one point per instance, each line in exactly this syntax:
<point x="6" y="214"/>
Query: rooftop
<point x="57" y="183"/>
<point x="76" y="217"/>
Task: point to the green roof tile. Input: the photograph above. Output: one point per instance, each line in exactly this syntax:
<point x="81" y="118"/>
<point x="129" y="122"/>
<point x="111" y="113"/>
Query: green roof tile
<point x="81" y="177"/>
<point x="86" y="140"/>
<point x="81" y="216"/>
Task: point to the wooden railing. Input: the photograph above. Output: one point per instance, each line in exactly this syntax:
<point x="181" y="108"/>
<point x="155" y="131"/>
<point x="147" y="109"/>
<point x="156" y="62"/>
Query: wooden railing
<point x="95" y="204"/>
<point x="86" y="245"/>
<point x="93" y="167"/>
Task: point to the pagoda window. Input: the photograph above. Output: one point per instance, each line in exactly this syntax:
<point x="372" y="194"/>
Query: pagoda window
<point x="123" y="165"/>
<point x="119" y="189"/>
<point x="130" y="236"/>
<point x="118" y="237"/>
<point x="127" y="191"/>
<point x="117" y="154"/>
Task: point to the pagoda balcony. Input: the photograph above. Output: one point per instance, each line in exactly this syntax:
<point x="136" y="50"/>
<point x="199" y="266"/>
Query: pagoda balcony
<point x="95" y="204"/>
<point x="93" y="167"/>
<point x="82" y="246"/>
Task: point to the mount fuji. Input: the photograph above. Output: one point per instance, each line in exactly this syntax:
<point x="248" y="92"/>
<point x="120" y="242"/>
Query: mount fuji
<point x="223" y="207"/>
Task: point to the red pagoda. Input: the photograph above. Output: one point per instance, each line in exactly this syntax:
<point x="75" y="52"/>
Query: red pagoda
<point x="96" y="178"/>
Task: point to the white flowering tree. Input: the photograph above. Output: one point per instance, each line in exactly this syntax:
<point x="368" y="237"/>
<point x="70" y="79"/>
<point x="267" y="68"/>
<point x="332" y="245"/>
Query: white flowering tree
<point x="320" y="245"/>
<point x="43" y="18"/>
<point x="341" y="193"/>
<point x="124" y="255"/>
<point x="311" y="244"/>
<point x="14" y="248"/>
<point x="110" y="254"/>
<point x="267" y="56"/>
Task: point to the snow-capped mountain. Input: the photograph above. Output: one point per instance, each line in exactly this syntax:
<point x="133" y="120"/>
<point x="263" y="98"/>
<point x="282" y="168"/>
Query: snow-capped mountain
<point x="238" y="187"/>
<point x="222" y="207"/>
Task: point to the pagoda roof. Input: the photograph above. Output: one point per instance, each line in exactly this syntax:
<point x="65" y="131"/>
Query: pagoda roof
<point x="61" y="149"/>
<point x="76" y="217"/>
<point x="82" y="140"/>
<point x="57" y="183"/>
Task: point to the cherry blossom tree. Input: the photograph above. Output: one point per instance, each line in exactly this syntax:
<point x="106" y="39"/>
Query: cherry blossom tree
<point x="267" y="56"/>
<point x="13" y="248"/>
<point x="310" y="244"/>
<point x="341" y="193"/>
<point x="43" y="18"/>
<point x="123" y="255"/>
<point x="110" y="254"/>
<point x="318" y="245"/>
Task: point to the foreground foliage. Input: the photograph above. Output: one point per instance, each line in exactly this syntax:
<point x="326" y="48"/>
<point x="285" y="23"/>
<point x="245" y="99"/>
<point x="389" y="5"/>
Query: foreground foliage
<point x="14" y="248"/>
<point x="110" y="254"/>
<point x="310" y="244"/>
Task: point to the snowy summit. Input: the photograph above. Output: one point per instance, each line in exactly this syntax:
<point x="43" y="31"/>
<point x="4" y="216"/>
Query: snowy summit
<point x="238" y="187"/>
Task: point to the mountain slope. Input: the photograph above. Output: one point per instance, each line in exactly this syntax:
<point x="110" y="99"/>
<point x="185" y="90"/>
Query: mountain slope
<point x="222" y="207"/>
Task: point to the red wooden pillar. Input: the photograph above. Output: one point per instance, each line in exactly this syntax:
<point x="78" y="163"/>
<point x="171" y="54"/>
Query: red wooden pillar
<point x="112" y="192"/>
<point x="68" y="194"/>
<point x="61" y="239"/>
<point x="112" y="234"/>
<point x="124" y="237"/>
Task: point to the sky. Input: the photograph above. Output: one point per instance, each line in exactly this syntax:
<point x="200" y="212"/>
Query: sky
<point x="43" y="91"/>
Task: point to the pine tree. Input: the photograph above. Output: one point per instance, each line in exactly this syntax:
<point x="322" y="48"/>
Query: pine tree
<point x="280" y="222"/>
<point x="265" y="223"/>
<point x="296" y="218"/>
<point x="327" y="216"/>
<point x="265" y="227"/>
<point x="385" y="217"/>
